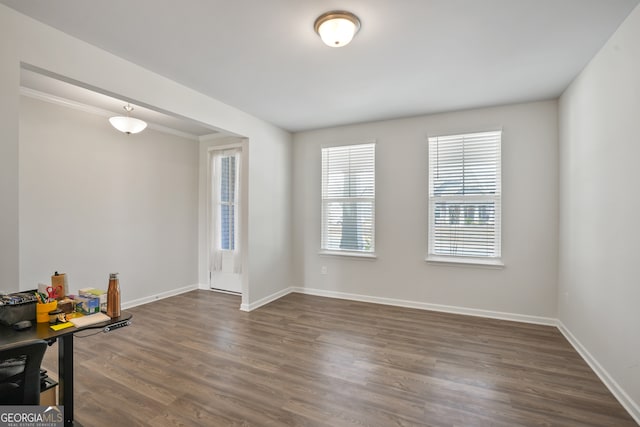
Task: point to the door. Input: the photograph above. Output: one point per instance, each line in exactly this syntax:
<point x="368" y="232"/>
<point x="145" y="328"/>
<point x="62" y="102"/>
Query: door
<point x="225" y="264"/>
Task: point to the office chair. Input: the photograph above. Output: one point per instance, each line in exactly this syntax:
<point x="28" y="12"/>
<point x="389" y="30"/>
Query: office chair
<point x="20" y="372"/>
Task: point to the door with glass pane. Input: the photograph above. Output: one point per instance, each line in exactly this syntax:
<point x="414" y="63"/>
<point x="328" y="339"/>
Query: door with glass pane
<point x="225" y="265"/>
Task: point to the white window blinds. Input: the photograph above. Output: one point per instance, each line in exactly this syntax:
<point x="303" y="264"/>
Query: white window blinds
<point x="348" y="198"/>
<point x="465" y="195"/>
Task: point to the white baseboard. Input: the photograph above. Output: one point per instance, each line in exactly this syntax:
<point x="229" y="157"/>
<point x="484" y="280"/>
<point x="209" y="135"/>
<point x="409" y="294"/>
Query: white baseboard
<point x="265" y="300"/>
<point x="625" y="400"/>
<point x="432" y="307"/>
<point x="162" y="295"/>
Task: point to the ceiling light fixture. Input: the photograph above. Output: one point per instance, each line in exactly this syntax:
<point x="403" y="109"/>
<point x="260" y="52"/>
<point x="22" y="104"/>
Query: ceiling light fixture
<point x="337" y="28"/>
<point x="127" y="124"/>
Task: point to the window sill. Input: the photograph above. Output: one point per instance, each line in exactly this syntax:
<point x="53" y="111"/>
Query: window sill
<point x="363" y="255"/>
<point x="465" y="261"/>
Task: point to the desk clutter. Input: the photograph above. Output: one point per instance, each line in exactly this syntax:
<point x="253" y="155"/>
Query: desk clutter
<point x="17" y="307"/>
<point x="54" y="305"/>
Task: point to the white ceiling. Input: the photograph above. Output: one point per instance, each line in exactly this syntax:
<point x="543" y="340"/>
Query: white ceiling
<point x="410" y="57"/>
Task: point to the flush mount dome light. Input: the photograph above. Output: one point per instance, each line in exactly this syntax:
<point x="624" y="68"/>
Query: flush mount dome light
<point x="337" y="28"/>
<point x="127" y="124"/>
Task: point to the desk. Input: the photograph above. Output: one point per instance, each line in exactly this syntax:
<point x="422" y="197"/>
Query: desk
<point x="65" y="353"/>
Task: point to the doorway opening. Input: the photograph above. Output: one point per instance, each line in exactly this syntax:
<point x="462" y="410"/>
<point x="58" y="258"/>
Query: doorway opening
<point x="225" y="218"/>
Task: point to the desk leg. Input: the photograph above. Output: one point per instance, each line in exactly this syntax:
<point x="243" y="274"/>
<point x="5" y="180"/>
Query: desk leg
<point x="65" y="366"/>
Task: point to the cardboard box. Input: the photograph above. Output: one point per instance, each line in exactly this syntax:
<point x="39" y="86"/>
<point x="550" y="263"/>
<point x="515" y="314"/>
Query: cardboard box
<point x="66" y="305"/>
<point x="93" y="292"/>
<point x="48" y="392"/>
<point x="88" y="304"/>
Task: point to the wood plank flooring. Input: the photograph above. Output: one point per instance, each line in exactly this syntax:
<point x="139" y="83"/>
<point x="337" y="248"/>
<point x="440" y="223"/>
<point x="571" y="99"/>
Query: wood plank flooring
<point x="196" y="360"/>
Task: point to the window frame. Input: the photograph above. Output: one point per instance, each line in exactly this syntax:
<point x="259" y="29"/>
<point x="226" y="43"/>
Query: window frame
<point x="324" y="202"/>
<point x="453" y="259"/>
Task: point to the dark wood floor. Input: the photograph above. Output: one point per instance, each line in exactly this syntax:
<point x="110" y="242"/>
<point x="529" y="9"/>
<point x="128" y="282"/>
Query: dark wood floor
<point x="196" y="360"/>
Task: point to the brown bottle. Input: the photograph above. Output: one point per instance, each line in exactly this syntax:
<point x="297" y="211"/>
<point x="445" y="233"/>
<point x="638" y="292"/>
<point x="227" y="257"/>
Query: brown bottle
<point x="113" y="296"/>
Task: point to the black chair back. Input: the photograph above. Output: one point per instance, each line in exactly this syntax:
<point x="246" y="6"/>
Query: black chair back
<point x="20" y="372"/>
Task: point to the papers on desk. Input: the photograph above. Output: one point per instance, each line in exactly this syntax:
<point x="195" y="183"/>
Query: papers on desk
<point x="89" y="320"/>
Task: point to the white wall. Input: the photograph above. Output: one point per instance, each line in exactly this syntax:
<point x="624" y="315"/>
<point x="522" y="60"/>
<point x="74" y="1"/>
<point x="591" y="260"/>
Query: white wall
<point x="28" y="41"/>
<point x="270" y="219"/>
<point x="527" y="283"/>
<point x="599" y="279"/>
<point x="94" y="201"/>
<point x="9" y="111"/>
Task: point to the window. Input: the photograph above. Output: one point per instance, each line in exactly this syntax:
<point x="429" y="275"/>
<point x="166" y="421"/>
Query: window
<point x="225" y="210"/>
<point x="464" y="198"/>
<point x="227" y="202"/>
<point x="348" y="199"/>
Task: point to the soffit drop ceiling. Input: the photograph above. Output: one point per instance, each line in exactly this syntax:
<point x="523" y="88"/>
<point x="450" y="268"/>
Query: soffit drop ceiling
<point x="50" y="89"/>
<point x="410" y="57"/>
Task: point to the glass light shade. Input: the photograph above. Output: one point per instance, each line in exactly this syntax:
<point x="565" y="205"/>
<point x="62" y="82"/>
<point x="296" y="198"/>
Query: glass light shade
<point x="337" y="28"/>
<point x="127" y="125"/>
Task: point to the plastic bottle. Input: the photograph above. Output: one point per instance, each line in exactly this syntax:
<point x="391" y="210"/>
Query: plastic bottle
<point x="113" y="296"/>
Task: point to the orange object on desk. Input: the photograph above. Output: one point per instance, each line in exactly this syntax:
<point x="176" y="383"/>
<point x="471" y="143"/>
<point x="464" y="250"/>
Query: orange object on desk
<point x="42" y="311"/>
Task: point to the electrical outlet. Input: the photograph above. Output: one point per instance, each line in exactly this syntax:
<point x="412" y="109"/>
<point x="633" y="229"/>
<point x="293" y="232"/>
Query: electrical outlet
<point x="323" y="269"/>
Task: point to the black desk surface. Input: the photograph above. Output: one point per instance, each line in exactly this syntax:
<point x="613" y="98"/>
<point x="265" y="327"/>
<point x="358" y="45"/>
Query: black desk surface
<point x="42" y="330"/>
